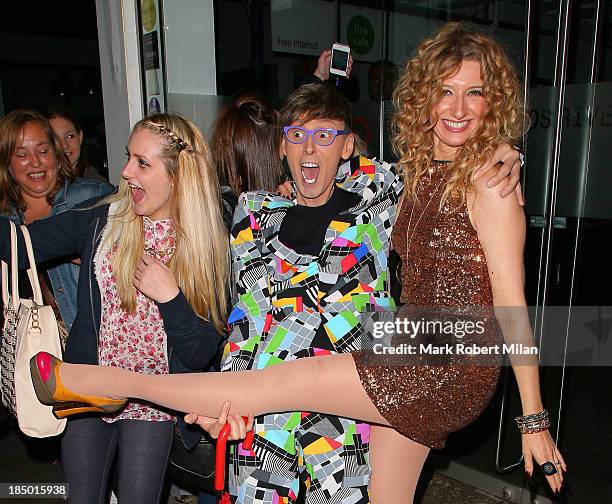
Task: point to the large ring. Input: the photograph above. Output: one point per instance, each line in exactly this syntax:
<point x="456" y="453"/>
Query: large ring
<point x="548" y="468"/>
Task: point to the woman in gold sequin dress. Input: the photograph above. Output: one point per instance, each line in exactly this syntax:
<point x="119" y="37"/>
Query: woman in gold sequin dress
<point x="462" y="249"/>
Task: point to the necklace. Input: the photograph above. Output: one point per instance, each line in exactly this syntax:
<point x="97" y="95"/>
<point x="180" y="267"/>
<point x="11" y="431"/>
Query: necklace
<point x="409" y="234"/>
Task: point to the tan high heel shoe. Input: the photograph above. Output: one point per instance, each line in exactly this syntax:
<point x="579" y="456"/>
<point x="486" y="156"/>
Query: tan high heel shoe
<point x="44" y="369"/>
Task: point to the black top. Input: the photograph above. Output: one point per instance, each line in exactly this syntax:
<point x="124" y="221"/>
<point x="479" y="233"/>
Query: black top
<point x="304" y="227"/>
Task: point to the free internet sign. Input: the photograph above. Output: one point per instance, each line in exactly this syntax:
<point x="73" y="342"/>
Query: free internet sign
<point x="308" y="27"/>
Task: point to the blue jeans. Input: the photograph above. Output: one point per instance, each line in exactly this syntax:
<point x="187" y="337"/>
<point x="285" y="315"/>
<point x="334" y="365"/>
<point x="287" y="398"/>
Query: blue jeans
<point x="141" y="449"/>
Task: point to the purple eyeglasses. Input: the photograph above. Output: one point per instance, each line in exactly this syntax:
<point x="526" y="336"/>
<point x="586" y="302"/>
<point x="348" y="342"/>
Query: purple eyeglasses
<point x="321" y="136"/>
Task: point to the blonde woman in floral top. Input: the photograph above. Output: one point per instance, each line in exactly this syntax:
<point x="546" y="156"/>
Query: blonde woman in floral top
<point x="151" y="298"/>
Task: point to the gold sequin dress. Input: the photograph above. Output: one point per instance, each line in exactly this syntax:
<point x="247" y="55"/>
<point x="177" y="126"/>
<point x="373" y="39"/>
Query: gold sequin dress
<point x="444" y="268"/>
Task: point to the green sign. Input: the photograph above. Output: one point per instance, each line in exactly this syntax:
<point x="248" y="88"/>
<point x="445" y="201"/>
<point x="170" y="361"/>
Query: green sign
<point x="360" y="34"/>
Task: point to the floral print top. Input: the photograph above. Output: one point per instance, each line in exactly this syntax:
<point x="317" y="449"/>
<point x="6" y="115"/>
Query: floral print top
<point x="135" y="341"/>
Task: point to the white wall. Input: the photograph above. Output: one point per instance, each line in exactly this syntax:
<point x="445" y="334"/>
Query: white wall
<point x="121" y="76"/>
<point x="189" y="31"/>
<point x="201" y="109"/>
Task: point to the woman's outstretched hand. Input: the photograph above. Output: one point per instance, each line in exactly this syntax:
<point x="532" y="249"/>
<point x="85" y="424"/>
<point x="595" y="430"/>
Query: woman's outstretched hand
<point x="214" y="425"/>
<point x="541" y="448"/>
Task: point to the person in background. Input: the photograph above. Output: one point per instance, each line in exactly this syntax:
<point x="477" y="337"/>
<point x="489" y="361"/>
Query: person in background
<point x="244" y="145"/>
<point x="382" y="73"/>
<point x="321" y="73"/>
<point x="38" y="181"/>
<point x="348" y="86"/>
<point x="69" y="133"/>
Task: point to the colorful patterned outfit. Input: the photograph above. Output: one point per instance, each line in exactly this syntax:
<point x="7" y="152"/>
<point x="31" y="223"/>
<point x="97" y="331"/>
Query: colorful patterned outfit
<point x="291" y="306"/>
<point x="135" y="341"/>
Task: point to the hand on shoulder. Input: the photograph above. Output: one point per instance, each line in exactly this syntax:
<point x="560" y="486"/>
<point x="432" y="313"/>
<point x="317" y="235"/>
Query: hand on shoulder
<point x="502" y="171"/>
<point x="491" y="201"/>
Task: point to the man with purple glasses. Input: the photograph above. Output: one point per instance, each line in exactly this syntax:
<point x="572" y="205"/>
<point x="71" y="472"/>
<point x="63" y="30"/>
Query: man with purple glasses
<point x="303" y="271"/>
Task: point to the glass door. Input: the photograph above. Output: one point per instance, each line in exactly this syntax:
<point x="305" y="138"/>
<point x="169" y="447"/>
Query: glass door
<point x="570" y="217"/>
<point x="562" y="50"/>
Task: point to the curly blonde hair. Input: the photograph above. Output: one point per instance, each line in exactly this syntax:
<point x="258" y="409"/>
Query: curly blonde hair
<point x="419" y="90"/>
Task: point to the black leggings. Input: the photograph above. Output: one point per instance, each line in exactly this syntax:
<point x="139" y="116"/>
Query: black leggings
<point x="89" y="448"/>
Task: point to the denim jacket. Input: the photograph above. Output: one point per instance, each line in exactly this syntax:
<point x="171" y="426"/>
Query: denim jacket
<point x="64" y="277"/>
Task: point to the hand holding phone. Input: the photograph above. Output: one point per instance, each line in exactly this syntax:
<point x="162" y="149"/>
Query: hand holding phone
<point x="339" y="64"/>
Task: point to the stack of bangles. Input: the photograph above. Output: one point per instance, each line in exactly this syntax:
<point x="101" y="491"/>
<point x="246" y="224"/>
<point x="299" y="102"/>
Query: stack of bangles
<point x="530" y="424"/>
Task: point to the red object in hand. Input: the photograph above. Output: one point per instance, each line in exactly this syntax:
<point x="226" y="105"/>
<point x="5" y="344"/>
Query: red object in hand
<point x="221" y="451"/>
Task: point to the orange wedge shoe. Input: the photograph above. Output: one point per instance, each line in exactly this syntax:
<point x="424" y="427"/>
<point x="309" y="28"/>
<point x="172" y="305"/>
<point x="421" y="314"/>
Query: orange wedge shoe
<point x="44" y="369"/>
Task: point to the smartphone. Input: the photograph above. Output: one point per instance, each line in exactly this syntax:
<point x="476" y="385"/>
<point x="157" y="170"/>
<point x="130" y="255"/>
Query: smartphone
<point x="339" y="59"/>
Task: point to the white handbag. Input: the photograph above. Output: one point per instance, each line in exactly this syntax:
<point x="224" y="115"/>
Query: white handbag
<point x="29" y="327"/>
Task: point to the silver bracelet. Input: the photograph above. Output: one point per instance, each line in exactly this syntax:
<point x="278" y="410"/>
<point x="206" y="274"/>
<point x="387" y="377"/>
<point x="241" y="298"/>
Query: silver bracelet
<point x="530" y="424"/>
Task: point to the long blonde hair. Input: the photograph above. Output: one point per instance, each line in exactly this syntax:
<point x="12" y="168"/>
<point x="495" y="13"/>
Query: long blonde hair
<point x="200" y="262"/>
<point x="419" y="90"/>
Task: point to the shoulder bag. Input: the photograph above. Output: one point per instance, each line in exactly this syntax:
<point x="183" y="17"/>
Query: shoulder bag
<point x="29" y="327"/>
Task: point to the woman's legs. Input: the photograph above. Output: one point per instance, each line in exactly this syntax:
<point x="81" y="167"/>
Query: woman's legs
<point x="144" y="450"/>
<point x="334" y="388"/>
<point x="396" y="463"/>
<point x="88" y="449"/>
